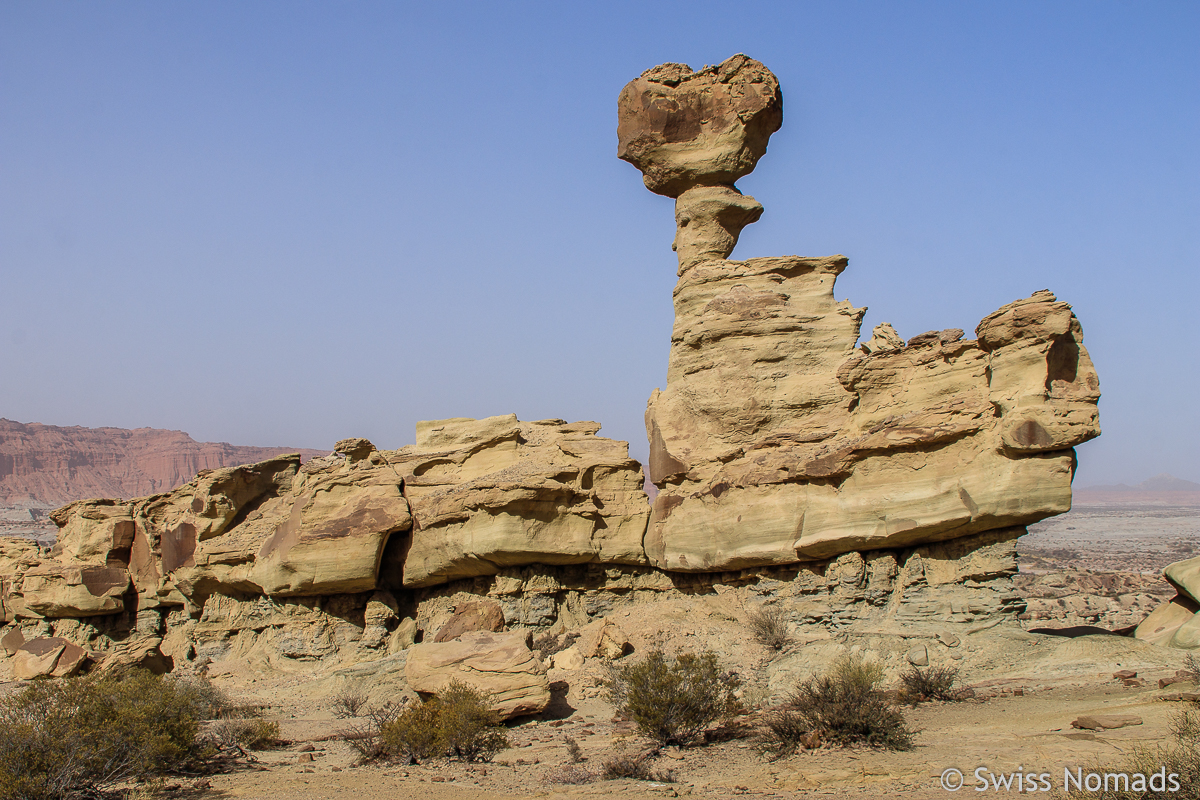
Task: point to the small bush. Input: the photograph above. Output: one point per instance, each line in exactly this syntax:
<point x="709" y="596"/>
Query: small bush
<point x="1181" y="757"/>
<point x="574" y="751"/>
<point x="367" y="737"/>
<point x="456" y="723"/>
<point x="637" y="767"/>
<point x="79" y="735"/>
<point x="253" y="733"/>
<point x="570" y="775"/>
<point x="769" y="626"/>
<point x="673" y="703"/>
<point x="844" y="707"/>
<point x="931" y="683"/>
<point x="349" y="702"/>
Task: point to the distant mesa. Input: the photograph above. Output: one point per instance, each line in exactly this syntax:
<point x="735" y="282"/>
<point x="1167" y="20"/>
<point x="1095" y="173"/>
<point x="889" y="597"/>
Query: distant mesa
<point x="1162" y="482"/>
<point x="48" y="465"/>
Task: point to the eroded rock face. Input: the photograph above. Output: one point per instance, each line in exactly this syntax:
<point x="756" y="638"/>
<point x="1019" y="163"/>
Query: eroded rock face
<point x="493" y="493"/>
<point x="778" y="438"/>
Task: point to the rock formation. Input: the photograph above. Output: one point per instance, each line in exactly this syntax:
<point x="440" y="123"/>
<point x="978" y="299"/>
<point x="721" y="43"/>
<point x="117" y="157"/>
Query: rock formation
<point x="875" y="489"/>
<point x="49" y="465"/>
<point x="774" y="440"/>
<point x="1176" y="623"/>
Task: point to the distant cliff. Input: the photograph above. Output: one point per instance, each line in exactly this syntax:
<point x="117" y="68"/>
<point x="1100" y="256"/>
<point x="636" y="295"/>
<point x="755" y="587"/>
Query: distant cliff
<point x="53" y="465"/>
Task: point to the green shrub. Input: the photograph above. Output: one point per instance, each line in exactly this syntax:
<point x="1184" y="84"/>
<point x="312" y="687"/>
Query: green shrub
<point x="673" y="703"/>
<point x="456" y="723"/>
<point x="769" y="626"/>
<point x="844" y="707"/>
<point x="932" y="683"/>
<point x="62" y="738"/>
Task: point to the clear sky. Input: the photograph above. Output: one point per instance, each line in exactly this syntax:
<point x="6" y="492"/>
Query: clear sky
<point x="284" y="223"/>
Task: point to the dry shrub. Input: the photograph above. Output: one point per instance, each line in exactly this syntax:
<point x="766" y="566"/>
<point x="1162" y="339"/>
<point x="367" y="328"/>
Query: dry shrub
<point x="570" y="775"/>
<point x="1180" y="756"/>
<point x="574" y="751"/>
<point x="252" y="733"/>
<point x="931" y="683"/>
<point x="624" y="765"/>
<point x="349" y="702"/>
<point x="769" y="626"/>
<point x="457" y="723"/>
<point x="843" y="707"/>
<point x="673" y="703"/>
<point x="367" y="737"/>
<point x="83" y="735"/>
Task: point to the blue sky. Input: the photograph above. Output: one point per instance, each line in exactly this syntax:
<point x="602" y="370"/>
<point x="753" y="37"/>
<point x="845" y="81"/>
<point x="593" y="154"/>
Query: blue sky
<point x="284" y="223"/>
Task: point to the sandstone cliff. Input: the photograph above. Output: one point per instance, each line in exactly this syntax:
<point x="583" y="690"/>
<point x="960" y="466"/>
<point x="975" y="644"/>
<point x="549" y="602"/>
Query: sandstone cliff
<point x="51" y="465"/>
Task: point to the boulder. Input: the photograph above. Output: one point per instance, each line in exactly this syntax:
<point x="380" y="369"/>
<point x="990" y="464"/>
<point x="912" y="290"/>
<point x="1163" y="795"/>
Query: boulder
<point x="1185" y="577"/>
<point x="603" y="639"/>
<point x="500" y="665"/>
<point x="143" y="652"/>
<point x="494" y="493"/>
<point x="12" y="641"/>
<point x="1161" y="625"/>
<point x="570" y="659"/>
<point x="1102" y="722"/>
<point x="707" y="128"/>
<point x="47" y="657"/>
<point x="918" y="656"/>
<point x="479" y="615"/>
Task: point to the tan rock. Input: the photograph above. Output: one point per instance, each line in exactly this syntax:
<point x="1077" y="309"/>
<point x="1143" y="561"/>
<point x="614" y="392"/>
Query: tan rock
<point x="1165" y="621"/>
<point x="66" y="590"/>
<point x="12" y="641"/>
<point x="1185" y="576"/>
<point x="481" y="615"/>
<point x="1101" y="722"/>
<point x="403" y="637"/>
<point x="498" y="664"/>
<point x="570" y="659"/>
<point x="775" y="440"/>
<point x="493" y="493"/>
<point x="46" y="658"/>
<point x="603" y="639"/>
<point x="918" y="656"/>
<point x="708" y="128"/>
<point x="139" y="653"/>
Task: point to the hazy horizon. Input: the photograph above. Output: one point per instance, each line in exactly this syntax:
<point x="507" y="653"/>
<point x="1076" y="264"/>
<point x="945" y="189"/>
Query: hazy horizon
<point x="286" y="224"/>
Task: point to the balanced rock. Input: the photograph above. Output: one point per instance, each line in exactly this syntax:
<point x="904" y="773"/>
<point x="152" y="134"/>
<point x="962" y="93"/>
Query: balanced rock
<point x="708" y="128"/>
<point x="693" y="134"/>
<point x="500" y="665"/>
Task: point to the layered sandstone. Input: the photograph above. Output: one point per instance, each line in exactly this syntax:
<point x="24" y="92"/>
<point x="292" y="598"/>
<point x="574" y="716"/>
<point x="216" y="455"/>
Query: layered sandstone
<point x="777" y="439"/>
<point x="51" y="465"/>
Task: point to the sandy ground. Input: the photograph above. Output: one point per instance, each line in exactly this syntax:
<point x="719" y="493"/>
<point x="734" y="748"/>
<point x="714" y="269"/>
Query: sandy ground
<point x="1028" y="732"/>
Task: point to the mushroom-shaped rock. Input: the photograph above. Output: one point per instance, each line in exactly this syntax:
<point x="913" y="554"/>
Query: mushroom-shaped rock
<point x="707" y="128"/>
